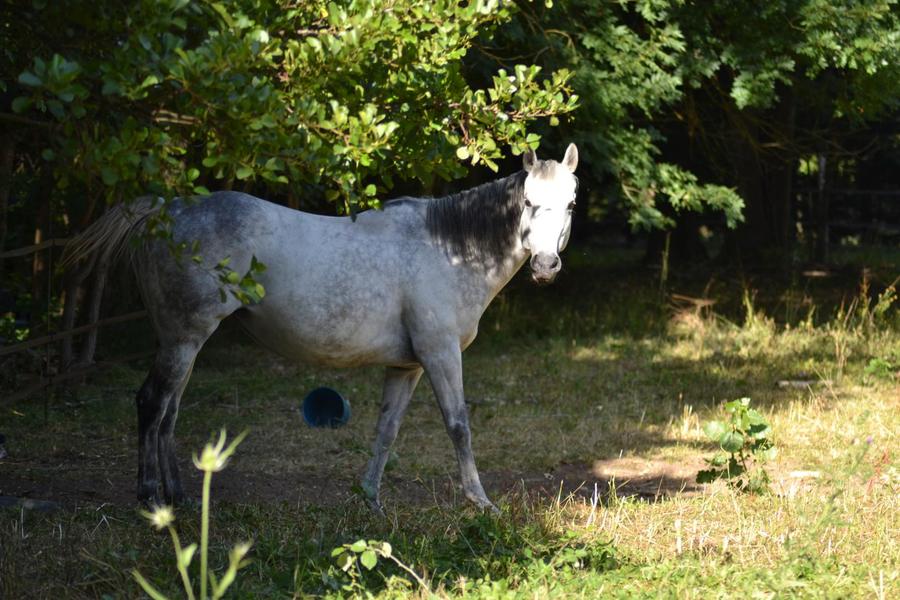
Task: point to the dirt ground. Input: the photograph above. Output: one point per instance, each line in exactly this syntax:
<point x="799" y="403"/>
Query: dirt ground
<point x="78" y="481"/>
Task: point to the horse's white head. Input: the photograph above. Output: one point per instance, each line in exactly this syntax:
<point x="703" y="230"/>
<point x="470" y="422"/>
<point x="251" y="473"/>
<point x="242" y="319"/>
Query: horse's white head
<point x="550" y="190"/>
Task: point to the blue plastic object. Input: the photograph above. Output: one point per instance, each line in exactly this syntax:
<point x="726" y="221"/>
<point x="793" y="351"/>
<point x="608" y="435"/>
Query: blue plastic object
<point x="324" y="407"/>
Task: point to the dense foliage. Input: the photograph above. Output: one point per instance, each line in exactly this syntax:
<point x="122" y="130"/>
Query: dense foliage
<point x="689" y="105"/>
<point x="310" y="98"/>
<point x="684" y="105"/>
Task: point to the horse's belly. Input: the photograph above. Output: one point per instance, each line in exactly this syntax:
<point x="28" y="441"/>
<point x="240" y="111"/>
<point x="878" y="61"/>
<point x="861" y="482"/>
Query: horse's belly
<point x="332" y="344"/>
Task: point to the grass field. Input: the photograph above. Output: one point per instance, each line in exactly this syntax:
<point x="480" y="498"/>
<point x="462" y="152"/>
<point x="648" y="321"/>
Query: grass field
<point x="602" y="382"/>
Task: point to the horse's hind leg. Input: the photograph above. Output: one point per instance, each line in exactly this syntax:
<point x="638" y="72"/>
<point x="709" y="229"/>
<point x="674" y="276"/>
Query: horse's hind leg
<point x="399" y="385"/>
<point x="156" y="398"/>
<point x="168" y="464"/>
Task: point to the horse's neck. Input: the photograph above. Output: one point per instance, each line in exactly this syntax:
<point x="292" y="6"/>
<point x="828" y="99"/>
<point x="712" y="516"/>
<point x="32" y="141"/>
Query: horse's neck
<point x="496" y="274"/>
<point x="492" y="212"/>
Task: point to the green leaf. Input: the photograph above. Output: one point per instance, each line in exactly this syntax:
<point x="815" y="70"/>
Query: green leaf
<point x="462" y="153"/>
<point x="755" y="417"/>
<point x="345" y="562"/>
<point x="358" y="546"/>
<point x="732" y="442"/>
<point x="714" y="430"/>
<point x="56" y="108"/>
<point x="368" y="559"/>
<point x="769" y="453"/>
<point x="109" y="176"/>
<point x="256" y="266"/>
<point x="48" y="154"/>
<point x="110" y="88"/>
<point x="30" y="79"/>
<point x="186" y="555"/>
<point x="243" y="172"/>
<point x="719" y="459"/>
<point x="759" y="432"/>
<point x="21" y="104"/>
<point x="223" y="13"/>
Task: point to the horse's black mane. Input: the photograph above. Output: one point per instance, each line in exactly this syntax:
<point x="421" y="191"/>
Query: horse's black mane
<point x="481" y="221"/>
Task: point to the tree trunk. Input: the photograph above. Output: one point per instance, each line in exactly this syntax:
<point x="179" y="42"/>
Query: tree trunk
<point x="686" y="249"/>
<point x="821" y="215"/>
<point x="7" y="154"/>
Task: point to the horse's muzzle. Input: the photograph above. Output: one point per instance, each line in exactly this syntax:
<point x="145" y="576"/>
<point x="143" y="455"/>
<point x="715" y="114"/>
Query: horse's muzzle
<point x="544" y="268"/>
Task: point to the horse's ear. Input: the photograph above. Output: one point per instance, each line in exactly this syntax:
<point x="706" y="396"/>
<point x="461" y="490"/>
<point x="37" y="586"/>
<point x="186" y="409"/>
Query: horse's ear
<point x="528" y="160"/>
<point x="570" y="160"/>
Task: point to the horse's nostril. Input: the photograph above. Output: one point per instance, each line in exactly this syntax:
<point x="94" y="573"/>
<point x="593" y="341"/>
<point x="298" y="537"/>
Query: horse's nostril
<point x="555" y="263"/>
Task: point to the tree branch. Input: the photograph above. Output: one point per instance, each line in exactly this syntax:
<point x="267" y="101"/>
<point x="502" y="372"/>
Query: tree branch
<point x="18" y="120"/>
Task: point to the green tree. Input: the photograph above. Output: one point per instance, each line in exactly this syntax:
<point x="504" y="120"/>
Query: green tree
<point x="178" y="96"/>
<point x="692" y="105"/>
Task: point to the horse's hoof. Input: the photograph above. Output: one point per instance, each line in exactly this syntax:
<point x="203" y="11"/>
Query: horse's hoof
<point x="375" y="506"/>
<point x="188" y="502"/>
<point x="149" y="497"/>
<point x="151" y="503"/>
<point x="179" y="498"/>
<point x="485" y="505"/>
<point x="488" y="507"/>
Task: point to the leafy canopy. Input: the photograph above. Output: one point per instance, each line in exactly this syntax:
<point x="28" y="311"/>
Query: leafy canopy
<point x="310" y="98"/>
<point x="648" y="72"/>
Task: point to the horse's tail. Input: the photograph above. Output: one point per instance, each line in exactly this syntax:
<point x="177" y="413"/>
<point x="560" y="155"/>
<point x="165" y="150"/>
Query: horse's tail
<point x="109" y="235"/>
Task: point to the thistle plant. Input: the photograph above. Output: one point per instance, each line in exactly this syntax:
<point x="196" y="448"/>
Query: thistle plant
<point x="212" y="459"/>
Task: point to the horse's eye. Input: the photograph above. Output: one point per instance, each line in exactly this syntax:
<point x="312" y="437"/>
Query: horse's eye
<point x="527" y="203"/>
<point x="571" y="206"/>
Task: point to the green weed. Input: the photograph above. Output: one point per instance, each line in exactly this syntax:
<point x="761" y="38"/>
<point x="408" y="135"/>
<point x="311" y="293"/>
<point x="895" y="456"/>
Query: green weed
<point x="745" y="448"/>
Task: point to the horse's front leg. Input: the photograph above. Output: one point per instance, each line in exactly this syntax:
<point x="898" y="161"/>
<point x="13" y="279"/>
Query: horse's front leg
<point x="444" y="368"/>
<point x="399" y="385"/>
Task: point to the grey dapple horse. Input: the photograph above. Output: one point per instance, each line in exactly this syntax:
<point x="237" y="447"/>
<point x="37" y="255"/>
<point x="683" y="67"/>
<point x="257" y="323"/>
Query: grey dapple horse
<point x="403" y="287"/>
